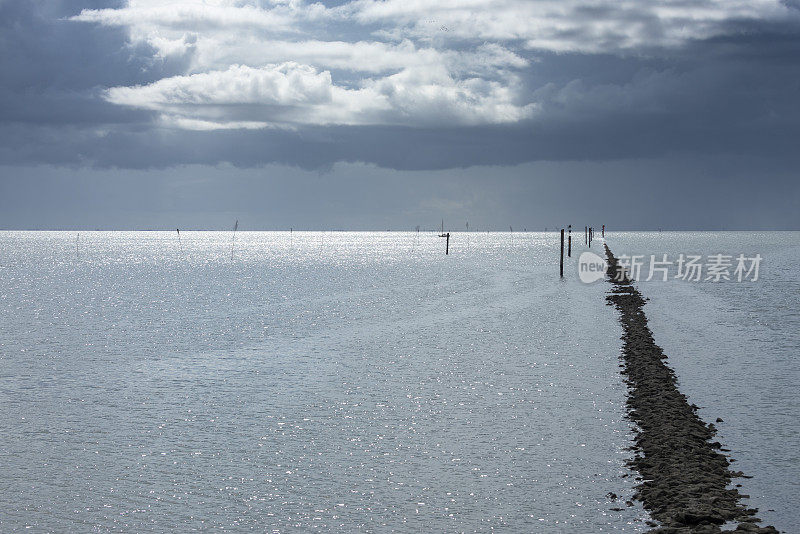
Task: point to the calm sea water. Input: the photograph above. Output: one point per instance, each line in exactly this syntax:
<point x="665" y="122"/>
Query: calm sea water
<point x="361" y="381"/>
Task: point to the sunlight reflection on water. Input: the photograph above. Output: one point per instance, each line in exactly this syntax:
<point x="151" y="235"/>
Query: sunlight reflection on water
<point x="316" y="380"/>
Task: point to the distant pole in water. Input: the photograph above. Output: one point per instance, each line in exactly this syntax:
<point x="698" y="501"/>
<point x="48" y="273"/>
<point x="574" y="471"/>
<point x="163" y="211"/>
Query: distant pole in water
<point x="447" y="236"/>
<point x="569" y="242"/>
<point x="233" y="239"/>
<point x="561" y="268"/>
<point x="603" y="234"/>
<point x="585" y="235"/>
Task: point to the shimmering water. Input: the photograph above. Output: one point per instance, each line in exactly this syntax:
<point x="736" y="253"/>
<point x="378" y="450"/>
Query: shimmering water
<point x="316" y="381"/>
<point x="735" y="348"/>
<point x="359" y="381"/>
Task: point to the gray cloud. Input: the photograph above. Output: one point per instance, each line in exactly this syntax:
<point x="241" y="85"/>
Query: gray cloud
<point x="734" y="92"/>
<point x="54" y="71"/>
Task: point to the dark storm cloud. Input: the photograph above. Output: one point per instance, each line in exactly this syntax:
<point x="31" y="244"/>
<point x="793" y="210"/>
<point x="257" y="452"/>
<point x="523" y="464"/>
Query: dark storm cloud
<point x="732" y="93"/>
<point x="53" y="70"/>
<point x="735" y="93"/>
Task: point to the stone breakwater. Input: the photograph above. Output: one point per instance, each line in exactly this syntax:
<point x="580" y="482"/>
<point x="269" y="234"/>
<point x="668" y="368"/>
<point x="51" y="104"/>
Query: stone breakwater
<point x="685" y="476"/>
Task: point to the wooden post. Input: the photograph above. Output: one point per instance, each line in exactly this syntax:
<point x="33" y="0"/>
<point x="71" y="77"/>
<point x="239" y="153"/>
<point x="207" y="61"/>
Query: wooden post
<point x="447" y="243"/>
<point x="585" y="235"/>
<point x="590" y="237"/>
<point x="562" y="253"/>
<point x="569" y="241"/>
<point x="603" y="234"/>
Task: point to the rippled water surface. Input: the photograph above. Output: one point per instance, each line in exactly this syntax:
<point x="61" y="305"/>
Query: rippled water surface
<point x="328" y="381"/>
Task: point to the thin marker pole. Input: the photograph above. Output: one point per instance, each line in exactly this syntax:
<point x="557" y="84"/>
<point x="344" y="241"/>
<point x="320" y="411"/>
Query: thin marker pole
<point x="233" y="239"/>
<point x="447" y="236"/>
<point x="569" y="241"/>
<point x="561" y="268"/>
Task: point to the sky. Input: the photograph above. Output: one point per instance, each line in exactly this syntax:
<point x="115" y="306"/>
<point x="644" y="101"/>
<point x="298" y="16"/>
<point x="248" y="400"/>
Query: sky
<point x="385" y="115"/>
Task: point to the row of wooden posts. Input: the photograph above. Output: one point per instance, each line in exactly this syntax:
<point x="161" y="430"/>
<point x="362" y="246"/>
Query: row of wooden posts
<point x="588" y="233"/>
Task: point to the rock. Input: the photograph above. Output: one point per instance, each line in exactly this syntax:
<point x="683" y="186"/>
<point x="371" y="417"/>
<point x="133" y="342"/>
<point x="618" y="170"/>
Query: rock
<point x="747" y="527"/>
<point x="695" y="517"/>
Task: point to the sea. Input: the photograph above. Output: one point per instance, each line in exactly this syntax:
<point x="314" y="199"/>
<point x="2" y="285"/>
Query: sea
<point x="367" y="381"/>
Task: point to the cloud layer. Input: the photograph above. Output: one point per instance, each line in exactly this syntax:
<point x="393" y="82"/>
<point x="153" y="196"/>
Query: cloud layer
<point x="405" y="85"/>
<point x="291" y="94"/>
<point x="257" y="64"/>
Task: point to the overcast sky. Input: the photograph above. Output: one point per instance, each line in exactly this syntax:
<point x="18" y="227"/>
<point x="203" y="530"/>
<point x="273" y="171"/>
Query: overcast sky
<point x="390" y="114"/>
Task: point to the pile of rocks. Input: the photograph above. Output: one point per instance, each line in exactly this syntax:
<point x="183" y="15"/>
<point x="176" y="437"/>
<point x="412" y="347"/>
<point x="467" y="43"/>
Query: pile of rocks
<point x="685" y="475"/>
